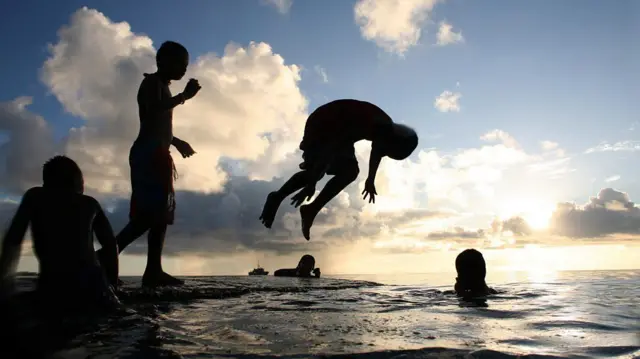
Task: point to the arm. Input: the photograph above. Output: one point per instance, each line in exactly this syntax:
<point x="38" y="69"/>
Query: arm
<point x="176" y="141"/>
<point x="104" y="235"/>
<point x="13" y="238"/>
<point x="374" y="162"/>
<point x="151" y="99"/>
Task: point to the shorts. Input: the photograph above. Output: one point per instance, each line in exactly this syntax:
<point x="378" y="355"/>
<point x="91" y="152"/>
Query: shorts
<point x="152" y="176"/>
<point x="344" y="158"/>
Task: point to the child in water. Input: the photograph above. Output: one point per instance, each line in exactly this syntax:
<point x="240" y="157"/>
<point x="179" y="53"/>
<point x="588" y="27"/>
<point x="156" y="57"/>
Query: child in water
<point x="328" y="148"/>
<point x="305" y="269"/>
<point x="472" y="271"/>
<point x="152" y="168"/>
<point x="63" y="221"/>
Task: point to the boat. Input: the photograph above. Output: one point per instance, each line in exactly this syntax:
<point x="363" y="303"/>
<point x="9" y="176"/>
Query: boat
<point x="258" y="271"/>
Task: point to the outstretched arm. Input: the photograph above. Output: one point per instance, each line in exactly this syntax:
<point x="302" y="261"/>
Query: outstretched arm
<point x="13" y="238"/>
<point x="106" y="238"/>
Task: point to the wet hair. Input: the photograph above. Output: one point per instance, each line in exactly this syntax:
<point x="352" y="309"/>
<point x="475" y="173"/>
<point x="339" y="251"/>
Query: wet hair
<point x="403" y="142"/>
<point x="307" y="258"/>
<point x="62" y="173"/>
<point x="472" y="271"/>
<point x="170" y="50"/>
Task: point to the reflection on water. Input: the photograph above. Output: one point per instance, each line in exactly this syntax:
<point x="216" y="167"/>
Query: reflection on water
<point x="588" y="314"/>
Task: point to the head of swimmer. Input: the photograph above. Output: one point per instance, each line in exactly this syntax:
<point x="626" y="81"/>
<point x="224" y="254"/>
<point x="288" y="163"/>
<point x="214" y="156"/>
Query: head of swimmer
<point x="172" y="60"/>
<point x="62" y="174"/>
<point x="398" y="143"/>
<point x="307" y="263"/>
<point x="472" y="270"/>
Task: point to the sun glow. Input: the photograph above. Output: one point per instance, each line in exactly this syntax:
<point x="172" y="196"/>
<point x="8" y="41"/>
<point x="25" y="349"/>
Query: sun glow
<point x="536" y="212"/>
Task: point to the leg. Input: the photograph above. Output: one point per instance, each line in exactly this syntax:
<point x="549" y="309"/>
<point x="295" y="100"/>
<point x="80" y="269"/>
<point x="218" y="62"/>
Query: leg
<point x="295" y="183"/>
<point x="154" y="276"/>
<point x="339" y="182"/>
<point x="132" y="231"/>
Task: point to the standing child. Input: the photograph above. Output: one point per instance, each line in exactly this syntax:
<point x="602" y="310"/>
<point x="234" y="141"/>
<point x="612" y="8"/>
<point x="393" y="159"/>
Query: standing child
<point x="152" y="169"/>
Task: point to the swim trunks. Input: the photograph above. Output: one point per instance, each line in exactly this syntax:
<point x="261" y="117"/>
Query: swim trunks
<point x="152" y="176"/>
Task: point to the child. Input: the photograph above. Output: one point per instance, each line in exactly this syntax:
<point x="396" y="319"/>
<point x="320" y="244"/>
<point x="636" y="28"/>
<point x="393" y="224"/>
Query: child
<point x="305" y="269"/>
<point x="471" y="270"/>
<point x="328" y="148"/>
<point x="152" y="168"/>
<point x="63" y="221"/>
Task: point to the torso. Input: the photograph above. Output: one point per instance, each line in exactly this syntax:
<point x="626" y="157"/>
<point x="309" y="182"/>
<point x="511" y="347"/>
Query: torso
<point x="155" y="126"/>
<point x="349" y="120"/>
<point x="62" y="231"/>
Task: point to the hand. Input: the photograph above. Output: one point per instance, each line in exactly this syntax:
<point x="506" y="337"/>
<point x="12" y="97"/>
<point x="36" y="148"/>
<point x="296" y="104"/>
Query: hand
<point x="191" y="89"/>
<point x="316" y="271"/>
<point x="370" y="190"/>
<point x="184" y="148"/>
<point x="302" y="195"/>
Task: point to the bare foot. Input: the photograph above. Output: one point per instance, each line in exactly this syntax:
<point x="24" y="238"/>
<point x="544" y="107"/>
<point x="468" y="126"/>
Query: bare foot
<point x="307" y="214"/>
<point x="270" y="209"/>
<point x="160" y="279"/>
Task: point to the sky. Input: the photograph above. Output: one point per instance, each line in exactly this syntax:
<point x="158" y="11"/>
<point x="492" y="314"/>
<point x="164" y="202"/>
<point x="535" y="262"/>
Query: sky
<point x="524" y="110"/>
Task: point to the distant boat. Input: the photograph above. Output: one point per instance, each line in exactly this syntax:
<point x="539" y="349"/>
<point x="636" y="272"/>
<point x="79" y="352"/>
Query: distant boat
<point x="259" y="271"/>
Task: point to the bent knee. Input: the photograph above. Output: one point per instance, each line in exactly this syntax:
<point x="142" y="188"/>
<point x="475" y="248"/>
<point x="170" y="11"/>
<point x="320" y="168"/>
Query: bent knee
<point x="351" y="172"/>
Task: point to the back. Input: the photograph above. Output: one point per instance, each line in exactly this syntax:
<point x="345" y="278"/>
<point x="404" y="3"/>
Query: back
<point x="62" y="231"/>
<point x="351" y="119"/>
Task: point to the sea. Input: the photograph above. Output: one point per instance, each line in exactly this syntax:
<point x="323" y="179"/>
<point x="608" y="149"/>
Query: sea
<point x="581" y="314"/>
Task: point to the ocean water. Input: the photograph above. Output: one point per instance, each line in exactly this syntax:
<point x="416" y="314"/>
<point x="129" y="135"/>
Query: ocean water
<point x="564" y="315"/>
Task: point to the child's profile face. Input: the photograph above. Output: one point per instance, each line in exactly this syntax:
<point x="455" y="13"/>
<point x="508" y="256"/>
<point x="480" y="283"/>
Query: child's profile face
<point x="178" y="66"/>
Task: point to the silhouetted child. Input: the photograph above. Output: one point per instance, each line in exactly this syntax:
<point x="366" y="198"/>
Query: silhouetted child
<point x="63" y="221"/>
<point x="472" y="271"/>
<point x="328" y="148"/>
<point x="304" y="269"/>
<point x="152" y="168"/>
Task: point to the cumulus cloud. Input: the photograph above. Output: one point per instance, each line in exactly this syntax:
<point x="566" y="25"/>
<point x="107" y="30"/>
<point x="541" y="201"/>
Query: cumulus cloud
<point x="620" y="146"/>
<point x="250" y="106"/>
<point x="283" y="6"/>
<point x="394" y="25"/>
<point x="448" y="101"/>
<point x="322" y="73"/>
<point x="610" y="212"/>
<point x="29" y="144"/>
<point x="447" y="36"/>
<point x="548" y="145"/>
<point x="500" y="136"/>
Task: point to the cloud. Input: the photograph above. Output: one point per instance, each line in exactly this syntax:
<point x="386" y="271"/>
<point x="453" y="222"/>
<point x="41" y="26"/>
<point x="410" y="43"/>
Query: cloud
<point x="250" y="107"/>
<point x="621" y="146"/>
<point x="500" y="136"/>
<point x="29" y="144"/>
<point x="448" y="101"/>
<point x="612" y="178"/>
<point x="548" y="145"/>
<point x="283" y="6"/>
<point x="394" y="25"/>
<point x="322" y="73"/>
<point x="447" y="36"/>
<point x="610" y="212"/>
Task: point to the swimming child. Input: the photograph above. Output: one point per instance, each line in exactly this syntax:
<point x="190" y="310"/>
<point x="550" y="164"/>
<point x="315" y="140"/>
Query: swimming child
<point x="152" y="168"/>
<point x="328" y="148"/>
<point x="472" y="270"/>
<point x="63" y="221"/>
<point x="305" y="269"/>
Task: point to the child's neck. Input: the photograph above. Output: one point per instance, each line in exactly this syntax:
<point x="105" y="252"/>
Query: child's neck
<point x="164" y="76"/>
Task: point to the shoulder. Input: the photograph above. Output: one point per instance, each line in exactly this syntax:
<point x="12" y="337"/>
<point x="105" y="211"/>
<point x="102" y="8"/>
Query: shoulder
<point x="32" y="194"/>
<point x="150" y="81"/>
<point x="89" y="202"/>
